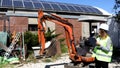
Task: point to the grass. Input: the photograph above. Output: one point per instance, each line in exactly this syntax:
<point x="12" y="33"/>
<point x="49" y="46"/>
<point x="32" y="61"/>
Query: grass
<point x="7" y="65"/>
<point x="47" y="60"/>
<point x="51" y="59"/>
<point x="31" y="58"/>
<point x="64" y="48"/>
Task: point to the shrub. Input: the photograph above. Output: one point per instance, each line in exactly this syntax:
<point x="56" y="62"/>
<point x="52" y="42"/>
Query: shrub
<point x="49" y="35"/>
<point x="31" y="39"/>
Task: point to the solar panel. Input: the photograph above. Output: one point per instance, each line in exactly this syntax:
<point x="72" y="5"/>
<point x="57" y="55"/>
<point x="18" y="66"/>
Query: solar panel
<point x="7" y="3"/>
<point x="0" y="2"/>
<point x="93" y="11"/>
<point x="28" y="5"/>
<point x="71" y="8"/>
<point x="86" y="10"/>
<point x="38" y="5"/>
<point x="79" y="9"/>
<point x="56" y="7"/>
<point x="17" y="0"/>
<point x="18" y="4"/>
<point x="97" y="11"/>
<point x="27" y="0"/>
<point x="35" y="0"/>
<point x="64" y="8"/>
<point x="47" y="6"/>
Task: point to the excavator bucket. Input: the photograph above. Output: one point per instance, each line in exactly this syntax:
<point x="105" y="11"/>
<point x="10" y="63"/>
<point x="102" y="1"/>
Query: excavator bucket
<point x="88" y="59"/>
<point x="51" y="50"/>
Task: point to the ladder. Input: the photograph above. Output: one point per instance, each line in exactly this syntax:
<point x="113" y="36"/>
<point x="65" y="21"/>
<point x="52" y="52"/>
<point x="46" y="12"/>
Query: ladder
<point x="12" y="45"/>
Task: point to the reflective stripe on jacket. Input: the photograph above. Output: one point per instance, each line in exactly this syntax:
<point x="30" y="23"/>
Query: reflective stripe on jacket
<point x="104" y="51"/>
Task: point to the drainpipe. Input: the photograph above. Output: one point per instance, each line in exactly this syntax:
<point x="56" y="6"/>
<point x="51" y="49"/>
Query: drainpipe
<point x="90" y="27"/>
<point x="8" y="18"/>
<point x="4" y="25"/>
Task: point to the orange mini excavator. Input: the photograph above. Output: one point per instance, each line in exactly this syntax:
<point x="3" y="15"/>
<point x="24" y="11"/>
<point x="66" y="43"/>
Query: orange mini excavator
<point x="74" y="56"/>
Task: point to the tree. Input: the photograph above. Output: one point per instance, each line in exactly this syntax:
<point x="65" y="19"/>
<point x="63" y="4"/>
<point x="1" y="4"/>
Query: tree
<point x="117" y="10"/>
<point x="49" y="35"/>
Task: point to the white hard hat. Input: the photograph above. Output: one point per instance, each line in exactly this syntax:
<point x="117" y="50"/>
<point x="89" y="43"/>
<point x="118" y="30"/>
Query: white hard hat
<point x="93" y="32"/>
<point x="104" y="26"/>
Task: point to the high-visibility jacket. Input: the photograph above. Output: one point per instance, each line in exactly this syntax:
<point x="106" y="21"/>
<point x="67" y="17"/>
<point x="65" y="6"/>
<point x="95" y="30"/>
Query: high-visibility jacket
<point x="104" y="51"/>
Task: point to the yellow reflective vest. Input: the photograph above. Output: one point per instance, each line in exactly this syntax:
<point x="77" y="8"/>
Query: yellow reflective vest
<point x="104" y="51"/>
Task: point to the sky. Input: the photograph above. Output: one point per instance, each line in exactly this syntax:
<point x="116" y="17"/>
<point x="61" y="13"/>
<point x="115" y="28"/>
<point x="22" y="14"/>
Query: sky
<point x="106" y="5"/>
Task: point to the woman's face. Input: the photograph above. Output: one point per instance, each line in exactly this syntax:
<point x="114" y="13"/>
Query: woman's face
<point x="101" y="31"/>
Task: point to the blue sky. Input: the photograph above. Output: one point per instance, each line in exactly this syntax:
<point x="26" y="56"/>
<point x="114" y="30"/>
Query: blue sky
<point x="104" y="4"/>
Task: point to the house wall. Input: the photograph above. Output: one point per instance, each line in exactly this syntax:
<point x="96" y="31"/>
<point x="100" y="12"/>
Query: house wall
<point x="17" y="24"/>
<point x="76" y="28"/>
<point x="85" y="29"/>
<point x="1" y="23"/>
<point x="20" y="24"/>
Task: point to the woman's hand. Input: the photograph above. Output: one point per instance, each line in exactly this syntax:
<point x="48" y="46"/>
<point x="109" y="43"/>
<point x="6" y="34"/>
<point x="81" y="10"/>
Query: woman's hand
<point x="97" y="43"/>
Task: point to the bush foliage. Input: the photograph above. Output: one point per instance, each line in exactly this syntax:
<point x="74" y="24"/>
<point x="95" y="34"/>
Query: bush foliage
<point x="31" y="39"/>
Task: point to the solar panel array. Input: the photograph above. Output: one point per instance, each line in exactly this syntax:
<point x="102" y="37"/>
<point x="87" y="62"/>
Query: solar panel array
<point x="48" y="6"/>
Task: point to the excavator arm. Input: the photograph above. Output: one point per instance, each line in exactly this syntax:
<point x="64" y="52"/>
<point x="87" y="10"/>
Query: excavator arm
<point x="68" y="32"/>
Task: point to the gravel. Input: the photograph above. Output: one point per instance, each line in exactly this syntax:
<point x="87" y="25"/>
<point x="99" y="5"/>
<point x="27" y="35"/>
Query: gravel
<point x="55" y="64"/>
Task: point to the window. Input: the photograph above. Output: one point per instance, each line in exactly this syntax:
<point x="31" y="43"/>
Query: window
<point x="32" y="27"/>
